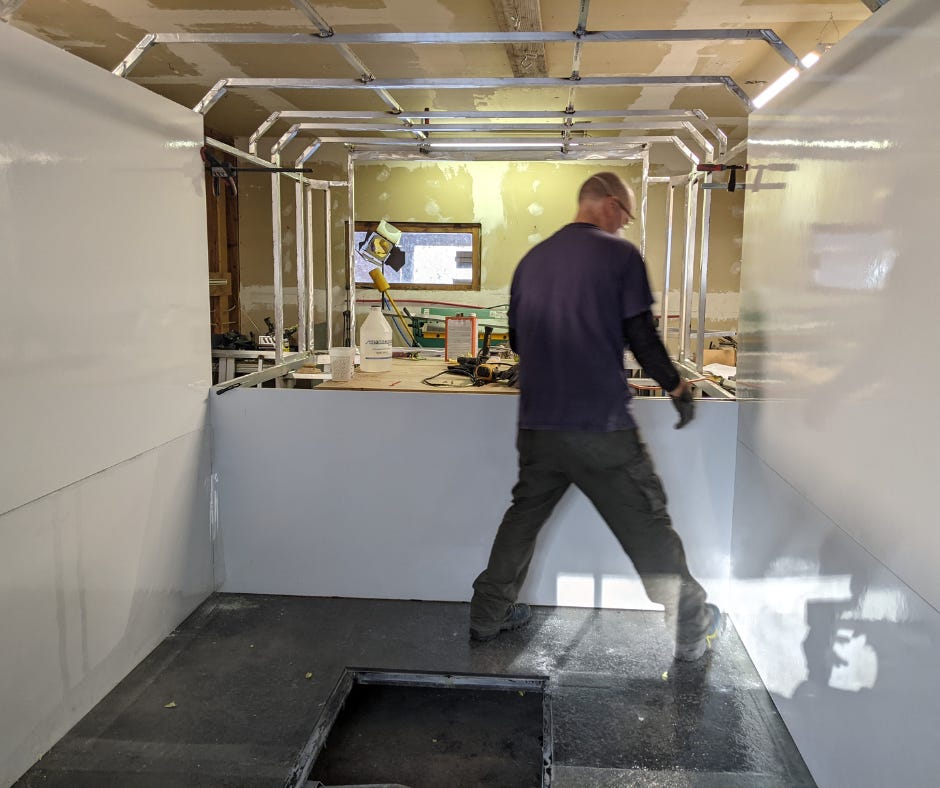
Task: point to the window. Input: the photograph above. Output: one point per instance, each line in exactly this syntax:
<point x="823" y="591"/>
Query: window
<point x="437" y="257"/>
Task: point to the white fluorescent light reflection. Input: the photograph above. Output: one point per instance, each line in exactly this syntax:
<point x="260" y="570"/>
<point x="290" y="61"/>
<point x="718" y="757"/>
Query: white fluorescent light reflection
<point x="833" y="144"/>
<point x="788" y="78"/>
<point x="811" y="59"/>
<point x="501" y="145"/>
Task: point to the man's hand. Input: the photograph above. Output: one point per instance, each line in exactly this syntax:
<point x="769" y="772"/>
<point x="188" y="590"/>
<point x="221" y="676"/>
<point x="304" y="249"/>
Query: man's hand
<point x="684" y="402"/>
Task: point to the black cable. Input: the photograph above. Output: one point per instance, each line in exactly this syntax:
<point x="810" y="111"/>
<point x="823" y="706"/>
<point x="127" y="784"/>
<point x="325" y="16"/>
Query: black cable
<point x="464" y="372"/>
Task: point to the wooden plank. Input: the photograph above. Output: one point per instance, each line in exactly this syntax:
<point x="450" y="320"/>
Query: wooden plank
<point x="233" y="311"/>
<point x="408" y="374"/>
<point x="220" y="284"/>
<point x="218" y="300"/>
<point x="222" y="232"/>
<point x="526" y="60"/>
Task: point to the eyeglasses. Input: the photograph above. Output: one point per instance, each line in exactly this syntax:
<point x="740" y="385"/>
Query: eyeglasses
<point x="616" y="199"/>
<point x="624" y="209"/>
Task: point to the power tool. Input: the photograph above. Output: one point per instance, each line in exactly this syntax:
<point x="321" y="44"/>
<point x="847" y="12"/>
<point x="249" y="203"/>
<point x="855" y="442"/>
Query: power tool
<point x="475" y="367"/>
<point x="468" y="364"/>
<point x="494" y="373"/>
<point x="487" y="373"/>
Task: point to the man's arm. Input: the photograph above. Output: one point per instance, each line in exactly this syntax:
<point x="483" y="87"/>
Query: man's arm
<point x="643" y="340"/>
<point x="513" y="307"/>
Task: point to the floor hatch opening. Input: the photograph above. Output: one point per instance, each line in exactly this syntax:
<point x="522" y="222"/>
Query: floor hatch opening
<point x="424" y="730"/>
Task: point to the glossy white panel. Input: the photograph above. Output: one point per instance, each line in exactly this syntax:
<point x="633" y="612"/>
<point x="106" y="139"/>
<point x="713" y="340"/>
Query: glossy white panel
<point x="91" y="578"/>
<point x="846" y="648"/>
<point x="835" y="526"/>
<point x="399" y="496"/>
<point x="104" y="302"/>
<point x="839" y="284"/>
<point x="104" y="369"/>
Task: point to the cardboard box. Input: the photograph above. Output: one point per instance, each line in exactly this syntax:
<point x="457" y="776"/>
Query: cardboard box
<point x="726" y="355"/>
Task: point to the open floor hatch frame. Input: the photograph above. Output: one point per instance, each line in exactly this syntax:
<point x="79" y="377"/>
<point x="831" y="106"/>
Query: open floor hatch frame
<point x="366" y="676"/>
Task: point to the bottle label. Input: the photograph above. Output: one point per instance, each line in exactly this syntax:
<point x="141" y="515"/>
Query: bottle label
<point x="378" y="348"/>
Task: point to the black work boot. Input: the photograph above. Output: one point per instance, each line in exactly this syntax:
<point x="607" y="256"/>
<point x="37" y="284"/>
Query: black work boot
<point x="517" y="617"/>
<point x="691" y="651"/>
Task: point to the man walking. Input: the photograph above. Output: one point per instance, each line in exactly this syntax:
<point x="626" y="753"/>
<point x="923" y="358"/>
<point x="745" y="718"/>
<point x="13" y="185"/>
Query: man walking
<point x="577" y="299"/>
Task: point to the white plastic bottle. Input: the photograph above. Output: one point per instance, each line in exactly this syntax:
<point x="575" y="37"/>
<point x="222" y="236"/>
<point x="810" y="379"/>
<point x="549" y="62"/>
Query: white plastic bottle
<point x="375" y="343"/>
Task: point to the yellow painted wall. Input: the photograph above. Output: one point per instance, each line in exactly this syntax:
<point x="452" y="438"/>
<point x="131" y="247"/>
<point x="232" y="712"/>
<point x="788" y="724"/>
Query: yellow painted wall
<point x="516" y="203"/>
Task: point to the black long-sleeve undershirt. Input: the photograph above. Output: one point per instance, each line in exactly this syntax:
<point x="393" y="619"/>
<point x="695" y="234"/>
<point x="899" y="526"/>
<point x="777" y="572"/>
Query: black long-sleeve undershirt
<point x="642" y="338"/>
<point x="644" y="342"/>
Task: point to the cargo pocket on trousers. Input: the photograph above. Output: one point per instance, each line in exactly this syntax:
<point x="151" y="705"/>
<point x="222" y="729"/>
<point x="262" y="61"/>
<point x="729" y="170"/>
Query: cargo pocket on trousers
<point x="644" y="475"/>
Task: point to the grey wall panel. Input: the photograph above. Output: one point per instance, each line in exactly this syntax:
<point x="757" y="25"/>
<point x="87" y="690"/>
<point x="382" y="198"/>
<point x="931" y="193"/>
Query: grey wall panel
<point x="399" y="495"/>
<point x="835" y="528"/>
<point x="92" y="577"/>
<point x="104" y="302"/>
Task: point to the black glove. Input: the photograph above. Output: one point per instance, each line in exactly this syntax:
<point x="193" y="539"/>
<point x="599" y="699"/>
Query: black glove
<point x="685" y="405"/>
<point x="512" y="376"/>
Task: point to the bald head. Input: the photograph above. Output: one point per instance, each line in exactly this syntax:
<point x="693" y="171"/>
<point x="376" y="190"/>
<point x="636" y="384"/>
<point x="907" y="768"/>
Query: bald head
<point x="606" y="201"/>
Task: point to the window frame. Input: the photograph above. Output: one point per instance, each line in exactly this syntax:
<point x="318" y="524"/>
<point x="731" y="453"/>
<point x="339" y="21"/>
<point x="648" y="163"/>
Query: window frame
<point x="475" y="230"/>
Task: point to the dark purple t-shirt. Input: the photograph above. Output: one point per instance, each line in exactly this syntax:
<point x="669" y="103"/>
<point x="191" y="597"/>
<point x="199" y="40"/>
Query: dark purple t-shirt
<point x="570" y="296"/>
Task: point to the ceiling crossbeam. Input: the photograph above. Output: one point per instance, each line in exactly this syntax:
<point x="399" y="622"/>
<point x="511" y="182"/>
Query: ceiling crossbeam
<point x="127" y="65"/>
<point x="445" y="83"/>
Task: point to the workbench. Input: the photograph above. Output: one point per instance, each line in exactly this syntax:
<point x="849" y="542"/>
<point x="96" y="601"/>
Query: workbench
<point x="408" y="374"/>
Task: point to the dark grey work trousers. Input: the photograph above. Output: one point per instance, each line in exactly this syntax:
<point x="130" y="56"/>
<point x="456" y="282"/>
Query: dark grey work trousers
<point x="614" y="470"/>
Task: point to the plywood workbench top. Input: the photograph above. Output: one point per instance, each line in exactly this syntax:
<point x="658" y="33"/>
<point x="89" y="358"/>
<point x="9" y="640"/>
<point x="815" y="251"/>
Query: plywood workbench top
<point x="408" y="374"/>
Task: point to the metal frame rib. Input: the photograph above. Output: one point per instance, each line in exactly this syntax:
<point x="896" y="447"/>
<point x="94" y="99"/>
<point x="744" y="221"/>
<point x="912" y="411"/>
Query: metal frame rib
<point x="579" y="31"/>
<point x="447" y="83"/>
<point x="365" y="73"/>
<point x="656" y="119"/>
<point x="563" y="130"/>
<point x="342" y="41"/>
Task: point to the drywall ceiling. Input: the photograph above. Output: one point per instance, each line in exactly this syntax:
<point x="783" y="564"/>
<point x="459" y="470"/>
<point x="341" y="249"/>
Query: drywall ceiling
<point x="105" y="31"/>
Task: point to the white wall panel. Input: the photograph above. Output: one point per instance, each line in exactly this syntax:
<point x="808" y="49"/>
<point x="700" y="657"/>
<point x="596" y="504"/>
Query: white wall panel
<point x="835" y="527"/>
<point x="104" y="370"/>
<point x="846" y="648"/>
<point x="336" y="493"/>
<point x="92" y="578"/>
<point x="104" y="302"/>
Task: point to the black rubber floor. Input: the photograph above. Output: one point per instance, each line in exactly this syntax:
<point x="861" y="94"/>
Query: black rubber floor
<point x="232" y="696"/>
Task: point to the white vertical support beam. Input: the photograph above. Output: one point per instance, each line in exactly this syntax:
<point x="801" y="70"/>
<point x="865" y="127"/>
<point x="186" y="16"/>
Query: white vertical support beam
<point x="328" y="248"/>
<point x="667" y="267"/>
<point x="703" y="274"/>
<point x="351" y="251"/>
<point x="311" y="290"/>
<point x="301" y="238"/>
<point x="644" y="197"/>
<point x="276" y="248"/>
<point x="688" y="265"/>
<point x="305" y="293"/>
